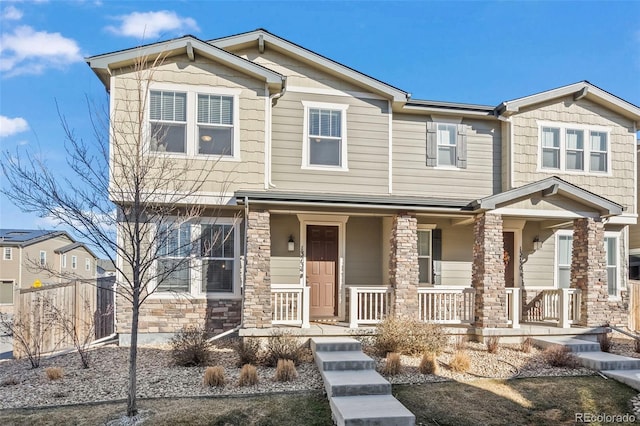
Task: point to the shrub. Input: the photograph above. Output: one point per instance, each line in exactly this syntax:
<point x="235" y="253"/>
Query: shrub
<point x="248" y="351"/>
<point x="493" y="344"/>
<point x="190" y="348"/>
<point x="428" y="364"/>
<point x="527" y="345"/>
<point x="283" y="346"/>
<point x="214" y="376"/>
<point x="460" y="343"/>
<point x="392" y="365"/>
<point x="408" y="336"/>
<point x="286" y="371"/>
<point x="559" y="356"/>
<point x="248" y="375"/>
<point x="54" y="373"/>
<point x="460" y="362"/>
<point x="605" y="342"/>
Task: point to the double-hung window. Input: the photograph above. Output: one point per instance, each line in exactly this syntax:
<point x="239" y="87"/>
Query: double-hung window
<point x="424" y="256"/>
<point x="325" y="139"/>
<point x="564" y="249"/>
<point x="215" y="125"/>
<point x="611" y="249"/>
<point x="174" y="249"/>
<point x="7" y="253"/>
<point x="446" y="144"/>
<point x="574" y="148"/>
<point x="168" y="117"/>
<point x="217" y="251"/>
<point x="43" y="258"/>
<point x="446" y="136"/>
<point x="63" y="260"/>
<point x="87" y="264"/>
<point x="74" y="262"/>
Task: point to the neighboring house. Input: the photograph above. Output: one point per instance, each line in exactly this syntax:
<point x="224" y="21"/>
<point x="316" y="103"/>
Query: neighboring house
<point x="105" y="268"/>
<point x="358" y="201"/>
<point x="25" y="250"/>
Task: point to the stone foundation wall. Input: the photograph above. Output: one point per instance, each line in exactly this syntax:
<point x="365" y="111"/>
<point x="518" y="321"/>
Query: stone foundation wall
<point x="257" y="289"/>
<point x="403" y="265"/>
<point x="618" y="311"/>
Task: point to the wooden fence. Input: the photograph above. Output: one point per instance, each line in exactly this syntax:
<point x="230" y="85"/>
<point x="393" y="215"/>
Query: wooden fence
<point x="40" y="312"/>
<point x="634" y="305"/>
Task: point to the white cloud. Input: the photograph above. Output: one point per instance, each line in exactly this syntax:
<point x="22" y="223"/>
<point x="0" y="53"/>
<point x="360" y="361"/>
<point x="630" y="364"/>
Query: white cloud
<point x="11" y="126"/>
<point x="151" y="25"/>
<point x="10" y="13"/>
<point x="26" y="51"/>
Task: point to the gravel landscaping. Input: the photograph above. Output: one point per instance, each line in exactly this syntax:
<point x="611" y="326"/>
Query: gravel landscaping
<point x="106" y="379"/>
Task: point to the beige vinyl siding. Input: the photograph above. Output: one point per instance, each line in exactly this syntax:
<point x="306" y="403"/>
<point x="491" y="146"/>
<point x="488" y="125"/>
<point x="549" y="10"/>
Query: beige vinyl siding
<point x="634" y="230"/>
<point x="619" y="187"/>
<point x="10" y="269"/>
<point x="412" y="177"/>
<point x="363" y="264"/>
<point x="222" y="175"/>
<point x="367" y="147"/>
<point x="506" y="154"/>
<point x="285" y="265"/>
<point x="298" y="73"/>
<point x="457" y="255"/>
<point x="538" y="265"/>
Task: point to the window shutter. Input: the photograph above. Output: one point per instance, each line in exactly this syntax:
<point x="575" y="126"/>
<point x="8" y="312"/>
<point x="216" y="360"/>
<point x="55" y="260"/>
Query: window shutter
<point x="432" y="144"/>
<point x="461" y="143"/>
<point x="436" y="248"/>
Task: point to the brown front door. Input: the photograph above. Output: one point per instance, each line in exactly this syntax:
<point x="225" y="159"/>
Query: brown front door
<point x="322" y="268"/>
<point x="509" y="257"/>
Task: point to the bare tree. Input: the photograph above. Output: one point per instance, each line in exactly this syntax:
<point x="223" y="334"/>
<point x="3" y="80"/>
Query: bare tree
<point x="123" y="190"/>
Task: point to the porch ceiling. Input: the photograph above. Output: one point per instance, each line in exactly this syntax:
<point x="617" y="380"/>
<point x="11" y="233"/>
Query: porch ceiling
<point x="551" y="197"/>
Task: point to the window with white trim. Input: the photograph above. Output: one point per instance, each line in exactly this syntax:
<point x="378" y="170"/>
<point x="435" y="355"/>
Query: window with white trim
<point x="446" y="144"/>
<point x="564" y="250"/>
<point x="7" y="253"/>
<point x="424" y="256"/>
<point x="43" y="258"/>
<point x="325" y="141"/>
<point x="173" y="268"/>
<point x="87" y="264"/>
<point x="563" y="148"/>
<point x="611" y="249"/>
<point x="218" y="255"/>
<point x="446" y="136"/>
<point x="215" y="124"/>
<point x="168" y="117"/>
<point x="74" y="262"/>
<point x="6" y="292"/>
<point x="63" y="260"/>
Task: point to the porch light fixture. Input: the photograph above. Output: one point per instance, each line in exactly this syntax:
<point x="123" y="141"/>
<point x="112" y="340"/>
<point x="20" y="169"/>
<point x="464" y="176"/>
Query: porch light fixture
<point x="291" y="245"/>
<point x="537" y="244"/>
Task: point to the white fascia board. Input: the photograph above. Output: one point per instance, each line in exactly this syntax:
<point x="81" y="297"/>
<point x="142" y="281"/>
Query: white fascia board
<point x="448" y="111"/>
<point x="396" y="94"/>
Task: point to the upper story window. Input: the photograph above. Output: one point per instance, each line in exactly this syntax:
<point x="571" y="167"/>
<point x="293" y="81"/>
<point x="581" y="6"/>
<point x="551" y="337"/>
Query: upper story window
<point x="74" y="262"/>
<point x="7" y="253"/>
<point x="563" y="147"/>
<point x="446" y="145"/>
<point x="325" y="138"/>
<point x="194" y="120"/>
<point x="63" y="260"/>
<point x="43" y="258"/>
<point x="87" y="264"/>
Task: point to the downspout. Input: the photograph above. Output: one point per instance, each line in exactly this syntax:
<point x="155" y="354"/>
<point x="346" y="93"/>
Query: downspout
<point x="273" y="100"/>
<point x="244" y="263"/>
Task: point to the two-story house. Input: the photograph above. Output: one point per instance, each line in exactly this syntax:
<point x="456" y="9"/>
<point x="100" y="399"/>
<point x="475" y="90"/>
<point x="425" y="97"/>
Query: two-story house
<point x="28" y="253"/>
<point x="357" y="201"/>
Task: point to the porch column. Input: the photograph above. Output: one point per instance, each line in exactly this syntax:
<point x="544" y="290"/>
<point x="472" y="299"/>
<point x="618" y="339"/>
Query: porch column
<point x="403" y="264"/>
<point x="589" y="271"/>
<point x="488" y="272"/>
<point x="256" y="308"/>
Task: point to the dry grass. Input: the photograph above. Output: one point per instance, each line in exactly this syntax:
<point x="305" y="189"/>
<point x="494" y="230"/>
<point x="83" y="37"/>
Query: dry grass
<point x="392" y="365"/>
<point x="493" y="344"/>
<point x="559" y="356"/>
<point x="286" y="371"/>
<point x="460" y="362"/>
<point x="527" y="345"/>
<point x="428" y="364"/>
<point x="248" y="375"/>
<point x="190" y="347"/>
<point x="214" y="376"/>
<point x="408" y="336"/>
<point x="605" y="341"/>
<point x="54" y="373"/>
<point x="460" y="343"/>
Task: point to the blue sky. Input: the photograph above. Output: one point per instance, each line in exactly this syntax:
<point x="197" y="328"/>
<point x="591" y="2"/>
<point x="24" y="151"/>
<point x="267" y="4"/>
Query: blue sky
<point x="473" y="52"/>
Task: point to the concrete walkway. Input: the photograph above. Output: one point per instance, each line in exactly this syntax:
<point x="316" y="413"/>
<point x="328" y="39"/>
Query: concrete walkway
<point x="358" y="395"/>
<point x="621" y="368"/>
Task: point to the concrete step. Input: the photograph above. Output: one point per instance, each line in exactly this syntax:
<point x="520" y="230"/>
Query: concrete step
<point x="573" y="343"/>
<point x="379" y="410"/>
<point x="630" y="378"/>
<point x="354" y="383"/>
<point x="343" y="360"/>
<point x="606" y="361"/>
<point x="333" y="344"/>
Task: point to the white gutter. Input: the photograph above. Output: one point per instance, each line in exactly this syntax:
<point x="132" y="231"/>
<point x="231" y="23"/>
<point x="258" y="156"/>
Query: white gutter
<point x="360" y="206"/>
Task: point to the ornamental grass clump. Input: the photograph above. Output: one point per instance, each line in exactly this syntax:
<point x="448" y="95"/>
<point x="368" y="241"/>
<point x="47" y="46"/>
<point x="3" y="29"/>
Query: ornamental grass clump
<point x="214" y="376"/>
<point x="428" y="364"/>
<point x="408" y="336"/>
<point x="248" y="375"/>
<point x="460" y="363"/>
<point x="460" y="343"/>
<point x="392" y="365"/>
<point x="283" y="345"/>
<point x="286" y="371"/>
<point x="527" y="345"/>
<point x="54" y="373"/>
<point x="493" y="344"/>
<point x="190" y="347"/>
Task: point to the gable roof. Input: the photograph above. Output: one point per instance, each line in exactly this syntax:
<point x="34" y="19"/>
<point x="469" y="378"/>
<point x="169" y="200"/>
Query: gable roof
<point x="72" y="246"/>
<point x="263" y="36"/>
<point x="579" y="90"/>
<point x="550" y="186"/>
<point x="104" y="63"/>
<point x="27" y="237"/>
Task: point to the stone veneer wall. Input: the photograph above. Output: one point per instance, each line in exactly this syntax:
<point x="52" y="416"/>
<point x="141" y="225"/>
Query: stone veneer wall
<point x="256" y="312"/>
<point x="487" y="275"/>
<point x="589" y="271"/>
<point x="403" y="265"/>
<point x="171" y="314"/>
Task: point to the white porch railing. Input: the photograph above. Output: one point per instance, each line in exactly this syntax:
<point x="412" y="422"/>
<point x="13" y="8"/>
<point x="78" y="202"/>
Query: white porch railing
<point x="560" y="305"/>
<point x="513" y="307"/>
<point x="446" y="305"/>
<point x="368" y="305"/>
<point x="290" y="305"/>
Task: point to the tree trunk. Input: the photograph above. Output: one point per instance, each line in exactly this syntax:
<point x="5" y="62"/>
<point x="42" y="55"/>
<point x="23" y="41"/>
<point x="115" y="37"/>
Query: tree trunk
<point x="132" y="407"/>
